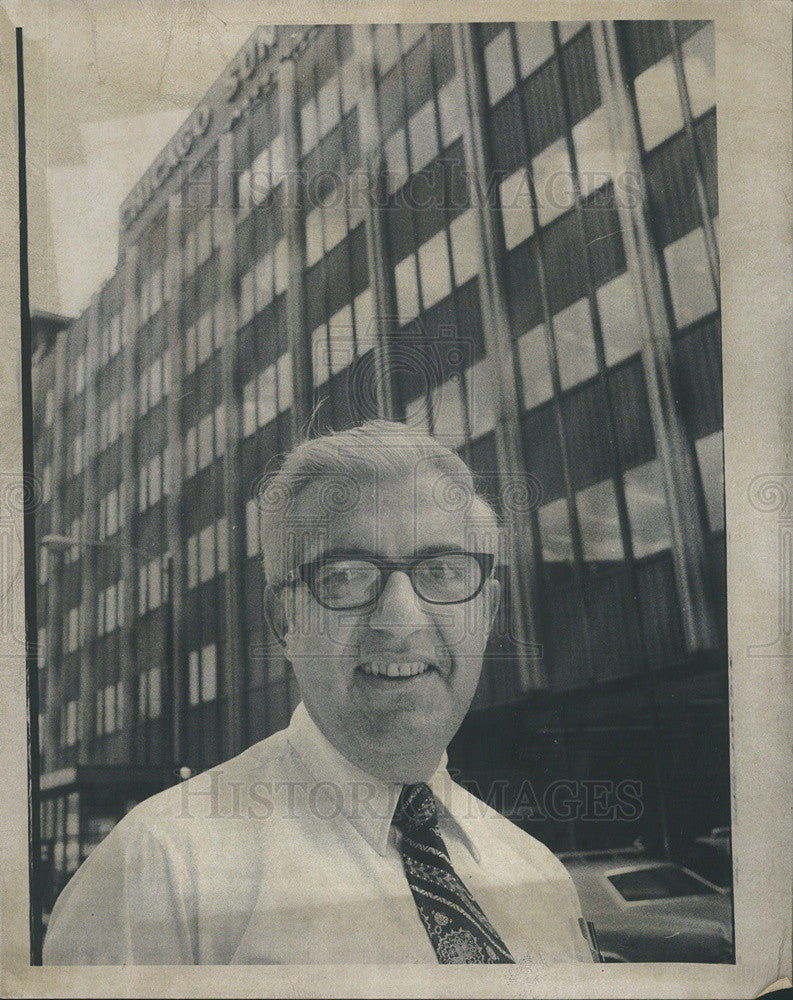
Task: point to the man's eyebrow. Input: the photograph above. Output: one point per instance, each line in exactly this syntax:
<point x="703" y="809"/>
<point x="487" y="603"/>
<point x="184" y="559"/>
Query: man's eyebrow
<point x="427" y="550"/>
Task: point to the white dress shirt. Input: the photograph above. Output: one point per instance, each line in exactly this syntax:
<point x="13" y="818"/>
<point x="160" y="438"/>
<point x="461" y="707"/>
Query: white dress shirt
<point x="286" y="854"/>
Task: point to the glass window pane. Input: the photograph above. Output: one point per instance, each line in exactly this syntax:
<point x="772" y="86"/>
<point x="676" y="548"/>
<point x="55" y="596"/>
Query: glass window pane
<point x="264" y="281"/>
<point x="308" y="125"/>
<point x="648" y="512"/>
<point x="342" y="343"/>
<point x="209" y="675"/>
<point x="386" y="44"/>
<point x="205" y="449"/>
<point x="249" y="408"/>
<point x="260" y="177"/>
<point x="499" y="67"/>
<point x="277" y="160"/>
<point x="423" y="136"/>
<point x="407" y="290"/>
<point x="553" y="181"/>
<point x="220" y="430"/>
<point x="206" y="554"/>
<point x="283" y="369"/>
<point x="480" y="390"/>
<point x="699" y="64"/>
<point x="190" y="349"/>
<point x="690" y="282"/>
<point x="222" y="537"/>
<point x="204" y="348"/>
<point x="268" y="409"/>
<point x="280" y="268"/>
<point x="711" y="470"/>
<point x="600" y="529"/>
<point x="451" y="105"/>
<point x="516" y="214"/>
<point x="619" y="318"/>
<point x="328" y="101"/>
<point x="154" y="692"/>
<point x="252" y="544"/>
<point x="658" y="103"/>
<point x="436" y="281"/>
<point x="244" y="190"/>
<point x="335" y="225"/>
<point x="593" y="151"/>
<point x="569" y="28"/>
<point x="464" y="234"/>
<point x="320" y="355"/>
<point x="193" y="677"/>
<point x="535" y="44"/>
<point x="534" y="368"/>
<point x="350" y="84"/>
<point x="142" y="699"/>
<point x="190" y="453"/>
<point x="555" y="537"/>
<point x="155" y="584"/>
<point x="396" y="160"/>
<point x="575" y="344"/>
<point x="192" y="561"/>
<point x="313" y="236"/>
<point x="365" y="325"/>
<point x="110" y="708"/>
<point x="246" y="298"/>
<point x="447" y="413"/>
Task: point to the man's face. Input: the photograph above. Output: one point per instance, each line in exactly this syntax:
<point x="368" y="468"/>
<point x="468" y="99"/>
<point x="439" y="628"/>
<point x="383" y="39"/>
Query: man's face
<point x="394" y="727"/>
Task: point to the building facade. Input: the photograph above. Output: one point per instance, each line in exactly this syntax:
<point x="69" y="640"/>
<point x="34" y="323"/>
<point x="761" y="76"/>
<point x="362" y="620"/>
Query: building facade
<point x="505" y="233"/>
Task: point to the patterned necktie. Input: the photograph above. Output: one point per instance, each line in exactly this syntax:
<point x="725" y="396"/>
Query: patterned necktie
<point x="459" y="931"/>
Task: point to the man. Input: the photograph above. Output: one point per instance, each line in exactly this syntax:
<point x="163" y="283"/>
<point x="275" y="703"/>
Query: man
<point x="343" y="839"/>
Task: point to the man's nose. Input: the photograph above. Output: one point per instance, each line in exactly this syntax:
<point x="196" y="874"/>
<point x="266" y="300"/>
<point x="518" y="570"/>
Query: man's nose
<point x="398" y="607"/>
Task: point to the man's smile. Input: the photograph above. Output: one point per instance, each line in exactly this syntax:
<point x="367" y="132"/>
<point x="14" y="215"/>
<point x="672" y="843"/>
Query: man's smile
<point x="396" y="669"/>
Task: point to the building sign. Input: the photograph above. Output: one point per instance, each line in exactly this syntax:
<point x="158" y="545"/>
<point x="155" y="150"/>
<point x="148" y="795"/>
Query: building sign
<point x="254" y="52"/>
<point x="221" y="94"/>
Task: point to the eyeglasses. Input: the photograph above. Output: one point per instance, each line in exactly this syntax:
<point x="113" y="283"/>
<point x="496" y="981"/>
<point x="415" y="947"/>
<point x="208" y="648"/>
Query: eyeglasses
<point x="346" y="583"/>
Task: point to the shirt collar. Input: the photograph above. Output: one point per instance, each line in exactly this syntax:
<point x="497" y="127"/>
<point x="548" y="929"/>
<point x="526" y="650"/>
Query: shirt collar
<point x="367" y="802"/>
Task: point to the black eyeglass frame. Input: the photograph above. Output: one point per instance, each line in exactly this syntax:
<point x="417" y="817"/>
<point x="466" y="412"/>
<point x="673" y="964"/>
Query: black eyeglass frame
<point x="306" y="572"/>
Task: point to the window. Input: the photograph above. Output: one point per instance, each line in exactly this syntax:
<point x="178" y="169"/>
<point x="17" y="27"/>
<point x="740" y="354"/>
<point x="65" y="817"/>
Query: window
<point x="153" y="385"/>
<point x="592" y="152"/>
<point x="111" y="512"/>
<point x="407" y="289"/>
<point x="699" y="66"/>
<point x="658" y="103"/>
<point x="600" y="529"/>
<point x="74" y="459"/>
<point x="205" y="441"/>
<point x="396" y="160"/>
<point x="46" y="483"/>
<point x="109" y="424"/>
<point x="480" y="391"/>
<point x="534" y="369"/>
<point x="152" y="584"/>
<point x="202" y="675"/>
<point x="78" y="375"/>
<point x="452" y="110"/>
<point x="569" y="28"/>
<point x="690" y="281"/>
<point x="535" y="45"/>
<point x="110" y="709"/>
<point x="422" y="136"/>
<point x="149" y="693"/>
<point x="207" y="553"/>
<point x="204" y="239"/>
<point x="189" y="254"/>
<point x="710" y="458"/>
<point x="341" y="340"/>
<point x="252" y="538"/>
<point x="269" y="394"/>
<point x="555" y="536"/>
<point x="72" y="629"/>
<point x="648" y="512"/>
<point x="619" y="318"/>
<point x="448" y="415"/>
<point x="553" y="181"/>
<point x="499" y="67"/>
<point x="110" y="608"/>
<point x="575" y="344"/>
<point x="70" y="734"/>
<point x="433" y="262"/>
<point x="49" y="408"/>
<point x="516" y="213"/>
<point x="153" y="485"/>
<point x="464" y="235"/>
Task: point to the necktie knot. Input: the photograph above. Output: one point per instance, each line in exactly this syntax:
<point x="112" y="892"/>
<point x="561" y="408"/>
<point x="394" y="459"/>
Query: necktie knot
<point x="416" y="808"/>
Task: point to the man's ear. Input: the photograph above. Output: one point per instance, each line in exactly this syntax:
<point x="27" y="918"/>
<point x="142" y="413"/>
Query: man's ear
<point x="492" y="596"/>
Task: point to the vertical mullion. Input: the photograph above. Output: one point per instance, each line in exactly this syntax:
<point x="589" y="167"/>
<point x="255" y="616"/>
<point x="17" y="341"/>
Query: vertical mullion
<point x="711" y="244"/>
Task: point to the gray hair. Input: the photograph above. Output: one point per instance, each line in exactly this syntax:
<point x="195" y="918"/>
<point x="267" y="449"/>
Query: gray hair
<point x="338" y="461"/>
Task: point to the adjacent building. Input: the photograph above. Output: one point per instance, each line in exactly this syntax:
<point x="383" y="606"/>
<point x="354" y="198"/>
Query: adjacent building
<point x="505" y="233"/>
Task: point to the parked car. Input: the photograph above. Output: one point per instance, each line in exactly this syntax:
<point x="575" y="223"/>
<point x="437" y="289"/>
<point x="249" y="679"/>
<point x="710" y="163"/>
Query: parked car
<point x="646" y="910"/>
